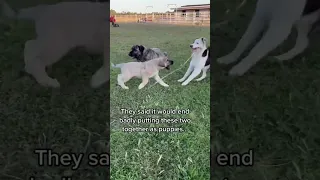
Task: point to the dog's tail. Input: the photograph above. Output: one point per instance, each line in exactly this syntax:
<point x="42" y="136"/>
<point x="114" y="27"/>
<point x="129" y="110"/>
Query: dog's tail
<point x="116" y="65"/>
<point x="31" y="13"/>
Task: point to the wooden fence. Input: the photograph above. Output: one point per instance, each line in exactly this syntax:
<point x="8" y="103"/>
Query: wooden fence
<point x="166" y="18"/>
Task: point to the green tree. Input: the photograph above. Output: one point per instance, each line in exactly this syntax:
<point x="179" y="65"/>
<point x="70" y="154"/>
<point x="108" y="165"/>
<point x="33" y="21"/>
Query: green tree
<point x="112" y="12"/>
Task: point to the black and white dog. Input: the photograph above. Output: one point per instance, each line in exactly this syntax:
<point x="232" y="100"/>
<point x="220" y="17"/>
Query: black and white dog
<point x="278" y="16"/>
<point x="141" y="53"/>
<point x="200" y="61"/>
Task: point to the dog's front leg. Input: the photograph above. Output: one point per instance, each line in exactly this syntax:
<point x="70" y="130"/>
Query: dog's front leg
<point x="194" y="74"/>
<point x="145" y="81"/>
<point x="275" y="35"/>
<point x="189" y="71"/>
<point x="254" y="29"/>
<point x="121" y="81"/>
<point x="160" y="81"/>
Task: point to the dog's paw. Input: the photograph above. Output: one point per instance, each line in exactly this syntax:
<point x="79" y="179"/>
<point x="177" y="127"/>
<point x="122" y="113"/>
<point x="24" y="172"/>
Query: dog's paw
<point x="228" y="59"/>
<point x="165" y="85"/>
<point x="238" y="70"/>
<point x="184" y="83"/>
<point x="180" y="80"/>
<point x="283" y="57"/>
<point x="141" y="86"/>
<point x="125" y="87"/>
<point x="199" y="79"/>
<point x="54" y="83"/>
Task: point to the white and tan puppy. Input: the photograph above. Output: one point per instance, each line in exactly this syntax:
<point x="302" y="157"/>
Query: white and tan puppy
<point x="143" y="70"/>
<point x="274" y="18"/>
<point x="200" y="61"/>
<point x="60" y="28"/>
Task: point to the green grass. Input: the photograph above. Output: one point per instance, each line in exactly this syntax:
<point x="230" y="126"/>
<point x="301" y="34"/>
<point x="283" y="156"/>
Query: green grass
<point x="151" y="155"/>
<point x="74" y="118"/>
<point x="273" y="109"/>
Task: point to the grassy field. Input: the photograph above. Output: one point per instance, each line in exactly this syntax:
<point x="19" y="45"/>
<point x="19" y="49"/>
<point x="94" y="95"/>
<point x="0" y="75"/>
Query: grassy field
<point x="74" y="118"/>
<point x="273" y="109"/>
<point x="159" y="155"/>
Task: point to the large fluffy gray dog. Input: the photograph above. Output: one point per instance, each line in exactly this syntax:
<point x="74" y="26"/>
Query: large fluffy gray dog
<point x="60" y="28"/>
<point x="278" y="16"/>
<point x="141" y="53"/>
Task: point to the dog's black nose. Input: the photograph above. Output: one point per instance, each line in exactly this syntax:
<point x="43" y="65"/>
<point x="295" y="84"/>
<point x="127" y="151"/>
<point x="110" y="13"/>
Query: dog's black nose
<point x="171" y="62"/>
<point x="191" y="45"/>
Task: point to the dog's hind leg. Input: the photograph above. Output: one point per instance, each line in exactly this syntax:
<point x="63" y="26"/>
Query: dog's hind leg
<point x="303" y="28"/>
<point x="121" y="81"/>
<point x="254" y="29"/>
<point x="280" y="25"/>
<point x="102" y="75"/>
<point x="194" y="74"/>
<point x="35" y="66"/>
<point x="189" y="71"/>
<point x="275" y="35"/>
<point x="144" y="82"/>
<point x="204" y="73"/>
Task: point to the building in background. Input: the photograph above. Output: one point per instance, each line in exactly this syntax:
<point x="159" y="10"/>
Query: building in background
<point x="197" y="10"/>
<point x="198" y="14"/>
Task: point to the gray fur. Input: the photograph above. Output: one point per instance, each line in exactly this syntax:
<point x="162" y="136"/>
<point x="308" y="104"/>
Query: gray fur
<point x="147" y="53"/>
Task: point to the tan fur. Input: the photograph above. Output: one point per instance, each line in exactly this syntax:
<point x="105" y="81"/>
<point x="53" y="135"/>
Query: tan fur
<point x="143" y="70"/>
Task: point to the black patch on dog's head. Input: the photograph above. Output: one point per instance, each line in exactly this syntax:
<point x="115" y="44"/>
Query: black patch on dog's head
<point x="141" y="48"/>
<point x="204" y="41"/>
<point x="136" y="52"/>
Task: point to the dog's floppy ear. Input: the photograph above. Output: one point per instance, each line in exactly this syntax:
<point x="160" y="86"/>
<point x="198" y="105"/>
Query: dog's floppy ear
<point x="141" y="48"/>
<point x="204" y="40"/>
<point x="162" y="62"/>
<point x="205" y="52"/>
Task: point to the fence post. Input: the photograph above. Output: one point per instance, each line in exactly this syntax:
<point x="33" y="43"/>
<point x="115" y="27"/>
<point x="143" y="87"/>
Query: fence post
<point x="194" y="16"/>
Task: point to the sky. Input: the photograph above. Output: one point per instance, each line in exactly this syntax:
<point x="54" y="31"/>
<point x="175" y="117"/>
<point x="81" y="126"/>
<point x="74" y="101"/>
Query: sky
<point x="158" y="5"/>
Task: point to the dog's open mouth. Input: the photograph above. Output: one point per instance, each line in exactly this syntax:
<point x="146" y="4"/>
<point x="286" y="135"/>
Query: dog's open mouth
<point x="194" y="49"/>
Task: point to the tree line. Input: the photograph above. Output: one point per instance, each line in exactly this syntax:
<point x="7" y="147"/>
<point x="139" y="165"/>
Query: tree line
<point x="113" y="12"/>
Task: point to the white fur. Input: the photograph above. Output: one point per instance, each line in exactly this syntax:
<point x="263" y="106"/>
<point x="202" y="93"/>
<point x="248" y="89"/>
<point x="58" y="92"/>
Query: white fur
<point x="197" y="63"/>
<point x="278" y="16"/>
